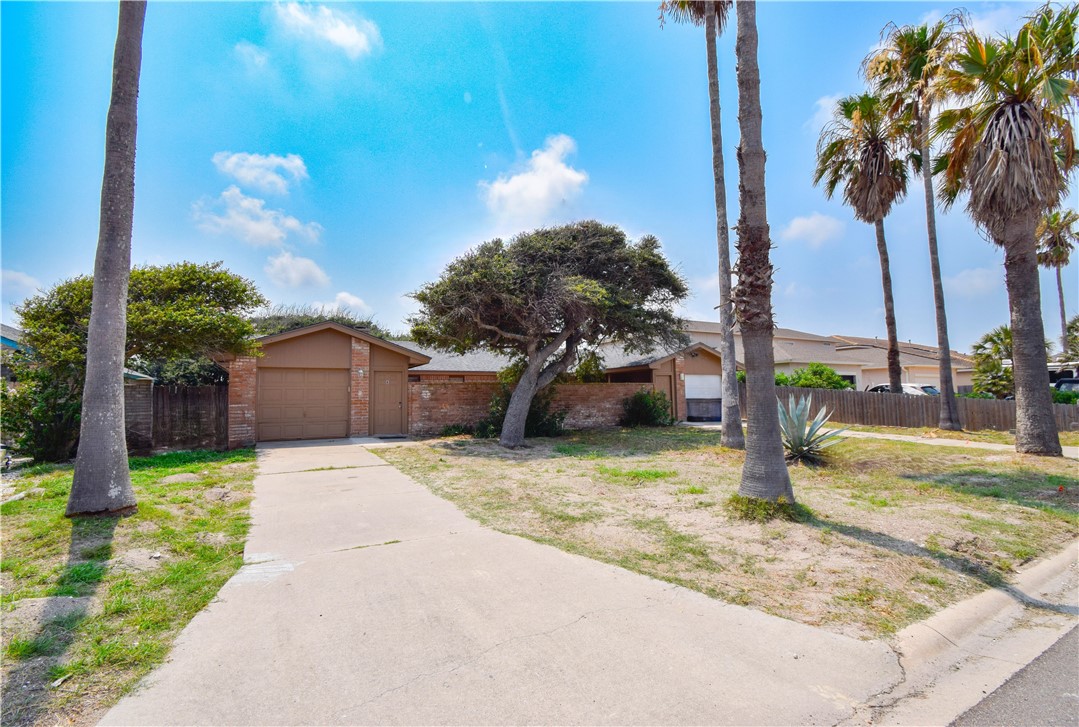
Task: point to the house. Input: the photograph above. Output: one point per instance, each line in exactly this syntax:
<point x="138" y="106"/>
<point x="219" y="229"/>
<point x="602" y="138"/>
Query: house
<point x="329" y="381"/>
<point x="861" y="361"/>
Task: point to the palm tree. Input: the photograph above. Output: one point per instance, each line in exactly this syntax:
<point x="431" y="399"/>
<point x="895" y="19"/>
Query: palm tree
<point x="1056" y="240"/>
<point x="764" y="475"/>
<point x="859" y="149"/>
<point x="908" y="70"/>
<point x="102" y="481"/>
<point x="1009" y="147"/>
<point x="713" y="15"/>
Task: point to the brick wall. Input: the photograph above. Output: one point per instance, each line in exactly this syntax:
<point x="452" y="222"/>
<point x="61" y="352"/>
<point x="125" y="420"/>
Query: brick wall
<point x="243" y="392"/>
<point x="139" y="415"/>
<point x="680" y="386"/>
<point x="435" y="405"/>
<point x="360" y="385"/>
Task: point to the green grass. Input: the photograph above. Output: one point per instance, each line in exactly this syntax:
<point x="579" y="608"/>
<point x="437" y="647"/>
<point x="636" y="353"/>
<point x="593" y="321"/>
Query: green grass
<point x="757" y="510"/>
<point x="129" y="618"/>
<point x="623" y="476"/>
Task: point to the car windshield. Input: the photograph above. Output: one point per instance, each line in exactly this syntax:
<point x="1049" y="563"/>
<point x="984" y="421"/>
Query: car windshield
<point x="931" y="390"/>
<point x="1070" y="386"/>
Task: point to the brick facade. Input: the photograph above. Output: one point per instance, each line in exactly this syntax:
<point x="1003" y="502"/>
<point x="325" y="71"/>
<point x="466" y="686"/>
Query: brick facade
<point x="680" y="387"/>
<point x="243" y="399"/>
<point x="360" y="388"/>
<point x="435" y="405"/>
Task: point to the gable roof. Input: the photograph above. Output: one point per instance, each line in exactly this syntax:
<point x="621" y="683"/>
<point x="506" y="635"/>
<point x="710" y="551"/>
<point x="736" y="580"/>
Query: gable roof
<point x="415" y="358"/>
<point x="914" y="350"/>
<point x="471" y="362"/>
<point x="616" y="357"/>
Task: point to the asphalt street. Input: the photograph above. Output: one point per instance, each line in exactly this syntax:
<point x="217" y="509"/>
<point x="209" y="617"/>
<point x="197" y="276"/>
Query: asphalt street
<point x="1044" y="693"/>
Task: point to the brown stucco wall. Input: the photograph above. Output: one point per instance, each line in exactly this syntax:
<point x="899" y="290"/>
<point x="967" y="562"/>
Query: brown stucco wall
<point x="704" y="363"/>
<point x="319" y="350"/>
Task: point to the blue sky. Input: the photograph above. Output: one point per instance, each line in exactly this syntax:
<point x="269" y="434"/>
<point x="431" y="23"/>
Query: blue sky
<point x="343" y="154"/>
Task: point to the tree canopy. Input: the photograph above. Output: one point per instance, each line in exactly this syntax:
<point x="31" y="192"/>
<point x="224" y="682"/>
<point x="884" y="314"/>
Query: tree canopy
<point x="546" y="295"/>
<point x="173" y="311"/>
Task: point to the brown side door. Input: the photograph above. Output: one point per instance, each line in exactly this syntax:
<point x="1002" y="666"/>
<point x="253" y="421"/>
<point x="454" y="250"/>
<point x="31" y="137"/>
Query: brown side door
<point x="665" y="383"/>
<point x="388" y="403"/>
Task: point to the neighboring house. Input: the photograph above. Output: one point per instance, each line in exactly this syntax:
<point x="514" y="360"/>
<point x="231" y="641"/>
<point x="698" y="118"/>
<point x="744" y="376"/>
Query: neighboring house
<point x="10" y="341"/>
<point x="861" y="361"/>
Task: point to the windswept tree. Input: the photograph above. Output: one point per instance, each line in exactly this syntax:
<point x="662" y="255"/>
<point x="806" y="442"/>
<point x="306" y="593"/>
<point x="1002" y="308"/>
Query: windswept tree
<point x="860" y="150"/>
<point x="713" y="16"/>
<point x="1057" y="238"/>
<point x="1009" y="148"/>
<point x="547" y="296"/>
<point x="764" y="474"/>
<point x="908" y="70"/>
<point x="102" y="481"/>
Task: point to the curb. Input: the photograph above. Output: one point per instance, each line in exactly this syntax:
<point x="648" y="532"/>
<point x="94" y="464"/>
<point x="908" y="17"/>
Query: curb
<point x="953" y="659"/>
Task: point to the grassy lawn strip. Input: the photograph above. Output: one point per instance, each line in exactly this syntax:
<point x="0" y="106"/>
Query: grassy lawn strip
<point x="1068" y="439"/>
<point x="894" y="531"/>
<point x="90" y="605"/>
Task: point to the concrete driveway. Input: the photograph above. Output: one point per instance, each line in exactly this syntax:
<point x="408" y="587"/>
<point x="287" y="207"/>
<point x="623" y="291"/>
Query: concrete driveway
<point x="367" y="599"/>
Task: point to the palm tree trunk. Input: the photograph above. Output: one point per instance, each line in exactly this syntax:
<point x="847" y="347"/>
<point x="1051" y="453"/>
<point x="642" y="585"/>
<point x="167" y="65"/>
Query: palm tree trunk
<point x="1035" y="426"/>
<point x="102" y="482"/>
<point x="1063" y="316"/>
<point x="764" y="474"/>
<point x="949" y="407"/>
<point x="895" y="373"/>
<point x="732" y="435"/>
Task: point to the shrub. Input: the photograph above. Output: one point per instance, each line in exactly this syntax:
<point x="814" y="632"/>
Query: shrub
<point x="758" y="510"/>
<point x="40" y="415"/>
<point x="646" y="409"/>
<point x="976" y="395"/>
<point x="816" y="376"/>
<point x="590" y="369"/>
<point x="453" y="430"/>
<point x="541" y="421"/>
<point x="805" y="440"/>
<point x="1065" y="397"/>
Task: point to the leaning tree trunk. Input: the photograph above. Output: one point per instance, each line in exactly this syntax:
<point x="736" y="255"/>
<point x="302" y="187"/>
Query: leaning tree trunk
<point x="764" y="474"/>
<point x="102" y="482"/>
<point x="1035" y="425"/>
<point x="732" y="435"/>
<point x="1063" y="316"/>
<point x="513" y="426"/>
<point x="949" y="406"/>
<point x="895" y="373"/>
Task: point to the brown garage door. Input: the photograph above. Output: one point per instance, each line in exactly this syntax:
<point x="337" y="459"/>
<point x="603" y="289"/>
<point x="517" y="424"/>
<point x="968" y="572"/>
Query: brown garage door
<point x="302" y="403"/>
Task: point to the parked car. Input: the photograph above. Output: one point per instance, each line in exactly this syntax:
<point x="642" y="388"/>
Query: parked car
<point x="913" y="389"/>
<point x="1067" y="385"/>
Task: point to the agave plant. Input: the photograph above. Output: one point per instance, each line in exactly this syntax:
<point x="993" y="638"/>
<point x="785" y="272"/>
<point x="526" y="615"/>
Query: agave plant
<point x="805" y="440"/>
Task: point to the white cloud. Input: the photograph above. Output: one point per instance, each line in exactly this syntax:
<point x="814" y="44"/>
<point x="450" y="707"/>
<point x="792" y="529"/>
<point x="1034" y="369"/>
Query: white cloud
<point x="295" y="272"/>
<point x="247" y="219"/>
<point x="822" y="113"/>
<point x="815" y="229"/>
<point x="546" y="183"/>
<point x="261" y="170"/>
<point x="18" y="282"/>
<point x="354" y="35"/>
<point x="253" y="57"/>
<point x="974" y="282"/>
<point x="345" y="301"/>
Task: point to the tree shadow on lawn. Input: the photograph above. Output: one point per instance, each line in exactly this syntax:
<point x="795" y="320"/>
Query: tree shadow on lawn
<point x="26" y="689"/>
<point x="1029" y="488"/>
<point x="588" y="444"/>
<point x="953" y="561"/>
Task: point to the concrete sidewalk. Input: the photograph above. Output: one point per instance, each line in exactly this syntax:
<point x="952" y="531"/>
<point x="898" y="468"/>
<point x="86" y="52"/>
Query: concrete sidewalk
<point x="369" y="600"/>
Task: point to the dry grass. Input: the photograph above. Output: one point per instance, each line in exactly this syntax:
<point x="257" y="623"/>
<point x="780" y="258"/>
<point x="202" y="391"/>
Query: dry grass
<point x="1068" y="439"/>
<point x="90" y="605"/>
<point x="898" y="530"/>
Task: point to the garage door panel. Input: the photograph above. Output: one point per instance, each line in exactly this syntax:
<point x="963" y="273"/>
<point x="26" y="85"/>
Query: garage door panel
<point x="302" y="403"/>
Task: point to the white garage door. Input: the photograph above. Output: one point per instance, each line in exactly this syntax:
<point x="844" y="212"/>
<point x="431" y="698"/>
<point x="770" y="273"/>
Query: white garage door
<point x="704" y="386"/>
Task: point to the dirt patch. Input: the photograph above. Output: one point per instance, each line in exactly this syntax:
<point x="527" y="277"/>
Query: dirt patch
<point x="181" y="477"/>
<point x="215" y="539"/>
<point x="139" y="560"/>
<point x="218" y="494"/>
<point x="28" y="615"/>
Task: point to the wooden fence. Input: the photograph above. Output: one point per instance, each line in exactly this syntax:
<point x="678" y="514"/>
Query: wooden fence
<point x="906" y="410"/>
<point x="190" y="417"/>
